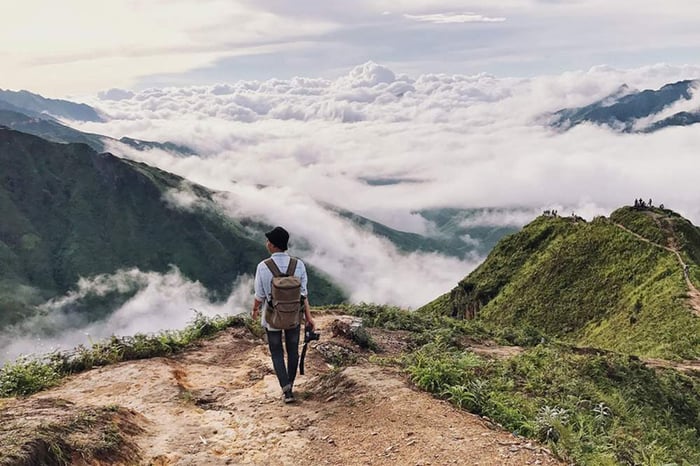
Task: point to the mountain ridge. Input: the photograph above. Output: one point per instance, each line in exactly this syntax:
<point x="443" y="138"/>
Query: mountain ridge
<point x="592" y="283"/>
<point x="53" y="108"/>
<point x="622" y="109"/>
<point x="55" y="131"/>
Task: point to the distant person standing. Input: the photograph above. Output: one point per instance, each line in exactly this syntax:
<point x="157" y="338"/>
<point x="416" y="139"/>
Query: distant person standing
<point x="280" y="261"/>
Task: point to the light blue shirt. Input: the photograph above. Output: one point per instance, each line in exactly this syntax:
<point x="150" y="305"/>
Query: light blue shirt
<point x="263" y="280"/>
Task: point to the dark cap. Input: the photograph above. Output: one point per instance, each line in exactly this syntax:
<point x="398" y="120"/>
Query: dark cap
<point x="279" y="237"/>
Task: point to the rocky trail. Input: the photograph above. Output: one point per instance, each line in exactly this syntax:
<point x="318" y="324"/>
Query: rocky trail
<point x="220" y="404"/>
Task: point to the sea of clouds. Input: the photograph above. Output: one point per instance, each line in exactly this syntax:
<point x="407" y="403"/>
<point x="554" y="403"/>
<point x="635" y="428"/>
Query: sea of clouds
<point x="464" y="141"/>
<point x="282" y="150"/>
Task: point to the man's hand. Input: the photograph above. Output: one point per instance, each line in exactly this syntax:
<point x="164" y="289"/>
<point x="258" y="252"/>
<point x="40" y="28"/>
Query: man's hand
<point x="307" y="314"/>
<point x="256" y="309"/>
<point x="310" y="321"/>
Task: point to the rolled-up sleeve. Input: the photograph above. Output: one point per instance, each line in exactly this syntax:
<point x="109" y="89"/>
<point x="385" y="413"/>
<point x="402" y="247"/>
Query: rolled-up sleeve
<point x="301" y="269"/>
<point x="259" y="288"/>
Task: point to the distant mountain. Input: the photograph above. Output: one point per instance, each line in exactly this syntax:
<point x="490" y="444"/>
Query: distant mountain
<point x="27" y="101"/>
<point x="450" y="236"/>
<point x="465" y="231"/>
<point x="168" y="146"/>
<point x="49" y="129"/>
<point x="52" y="130"/>
<point x="608" y="283"/>
<point x="623" y="109"/>
<point x="69" y="212"/>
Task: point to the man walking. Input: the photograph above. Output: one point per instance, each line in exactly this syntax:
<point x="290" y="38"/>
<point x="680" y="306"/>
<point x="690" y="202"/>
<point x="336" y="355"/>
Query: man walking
<point x="277" y="242"/>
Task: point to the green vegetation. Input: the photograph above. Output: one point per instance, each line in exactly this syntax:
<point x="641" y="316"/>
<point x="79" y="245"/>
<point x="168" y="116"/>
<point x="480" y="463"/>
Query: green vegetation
<point x="426" y="328"/>
<point x="582" y="285"/>
<point x="28" y="376"/>
<point x="68" y="212"/>
<point x="589" y="283"/>
<point x="649" y="224"/>
<point x="591" y="407"/>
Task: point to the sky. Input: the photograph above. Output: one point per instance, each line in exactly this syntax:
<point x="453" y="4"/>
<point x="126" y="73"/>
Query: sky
<point x="291" y="106"/>
<point x="74" y="47"/>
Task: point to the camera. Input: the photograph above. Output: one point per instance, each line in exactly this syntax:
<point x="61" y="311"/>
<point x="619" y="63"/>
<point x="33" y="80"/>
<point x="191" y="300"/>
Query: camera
<point x="310" y="335"/>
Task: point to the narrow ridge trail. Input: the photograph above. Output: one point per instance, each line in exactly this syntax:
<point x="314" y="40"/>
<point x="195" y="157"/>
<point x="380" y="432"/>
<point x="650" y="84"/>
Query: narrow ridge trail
<point x="693" y="293"/>
<point x="220" y="404"/>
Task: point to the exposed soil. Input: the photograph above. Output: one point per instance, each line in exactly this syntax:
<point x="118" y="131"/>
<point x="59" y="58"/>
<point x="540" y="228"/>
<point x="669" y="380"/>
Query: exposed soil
<point x="221" y="404"/>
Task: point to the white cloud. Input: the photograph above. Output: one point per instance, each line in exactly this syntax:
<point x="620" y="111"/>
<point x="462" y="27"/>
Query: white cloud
<point x="115" y="94"/>
<point x="473" y="141"/>
<point x="162" y="302"/>
<point x="455" y="18"/>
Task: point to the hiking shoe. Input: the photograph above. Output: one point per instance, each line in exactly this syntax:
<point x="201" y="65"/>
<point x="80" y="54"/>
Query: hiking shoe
<point x="289" y="396"/>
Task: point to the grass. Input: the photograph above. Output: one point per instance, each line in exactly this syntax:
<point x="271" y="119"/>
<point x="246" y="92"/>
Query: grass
<point x="589" y="406"/>
<point x="593" y="409"/>
<point x="427" y="327"/>
<point x="27" y="376"/>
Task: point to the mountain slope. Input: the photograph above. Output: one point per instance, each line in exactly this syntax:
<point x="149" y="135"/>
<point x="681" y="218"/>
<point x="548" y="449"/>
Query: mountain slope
<point x="69" y="212"/>
<point x="450" y="236"/>
<point x="51" y="130"/>
<point x="622" y="109"/>
<point x="592" y="283"/>
<point x="29" y="101"/>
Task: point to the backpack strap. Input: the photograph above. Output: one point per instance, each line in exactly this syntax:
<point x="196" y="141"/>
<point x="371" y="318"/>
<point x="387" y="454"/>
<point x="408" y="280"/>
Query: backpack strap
<point x="292" y="267"/>
<point x="273" y="267"/>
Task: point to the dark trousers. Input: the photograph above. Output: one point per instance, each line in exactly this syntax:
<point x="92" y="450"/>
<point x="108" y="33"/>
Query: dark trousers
<point x="285" y="374"/>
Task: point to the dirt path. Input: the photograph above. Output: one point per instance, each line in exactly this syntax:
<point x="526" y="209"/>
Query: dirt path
<point x="220" y="404"/>
<point x="693" y="293"/>
<point x="683" y="366"/>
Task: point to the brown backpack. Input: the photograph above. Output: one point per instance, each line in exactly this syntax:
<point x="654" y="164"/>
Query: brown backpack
<point x="284" y="310"/>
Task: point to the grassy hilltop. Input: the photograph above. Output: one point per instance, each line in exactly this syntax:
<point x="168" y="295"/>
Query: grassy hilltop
<point x="592" y="283"/>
